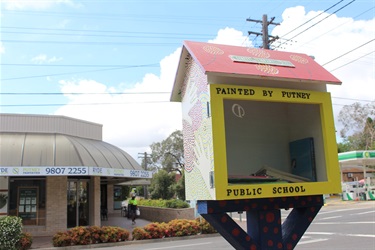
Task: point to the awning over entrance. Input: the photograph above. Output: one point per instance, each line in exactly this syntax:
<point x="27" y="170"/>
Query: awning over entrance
<point x="45" y="154"/>
<point x="359" y="158"/>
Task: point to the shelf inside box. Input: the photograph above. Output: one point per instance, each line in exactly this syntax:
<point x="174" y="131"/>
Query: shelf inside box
<point x="245" y="179"/>
<point x="286" y="136"/>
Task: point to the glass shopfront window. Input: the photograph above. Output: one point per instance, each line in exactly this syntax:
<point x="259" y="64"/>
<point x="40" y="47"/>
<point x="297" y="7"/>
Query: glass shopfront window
<point x="78" y="203"/>
<point x="27" y="199"/>
<point x="118" y="197"/>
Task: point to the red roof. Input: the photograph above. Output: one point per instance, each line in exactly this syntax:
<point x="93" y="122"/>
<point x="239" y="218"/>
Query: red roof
<point x="235" y="61"/>
<point x="217" y="58"/>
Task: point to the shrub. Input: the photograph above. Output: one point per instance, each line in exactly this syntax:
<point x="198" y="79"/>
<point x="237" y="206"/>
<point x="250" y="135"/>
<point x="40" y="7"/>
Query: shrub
<point x="174" y="228"/>
<point x="10" y="231"/>
<point x="80" y="236"/>
<point x="140" y="234"/>
<point x="89" y="235"/>
<point x="205" y="227"/>
<point x="176" y="204"/>
<point x="152" y="203"/>
<point x="157" y="230"/>
<point x="115" y="234"/>
<point x="62" y="239"/>
<point x="95" y="233"/>
<point x="25" y="241"/>
<point x="182" y="227"/>
<point x="173" y="203"/>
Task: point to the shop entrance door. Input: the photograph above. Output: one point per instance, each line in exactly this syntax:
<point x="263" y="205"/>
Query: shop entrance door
<point x="78" y="203"/>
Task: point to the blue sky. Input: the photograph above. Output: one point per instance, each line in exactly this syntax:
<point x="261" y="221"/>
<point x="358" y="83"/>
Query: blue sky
<point x="127" y="52"/>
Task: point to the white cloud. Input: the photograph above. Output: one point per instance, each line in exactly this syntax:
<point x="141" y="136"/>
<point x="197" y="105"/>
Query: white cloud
<point x="230" y="36"/>
<point x="131" y="121"/>
<point x="64" y="23"/>
<point x="36" y="4"/>
<point x="43" y="58"/>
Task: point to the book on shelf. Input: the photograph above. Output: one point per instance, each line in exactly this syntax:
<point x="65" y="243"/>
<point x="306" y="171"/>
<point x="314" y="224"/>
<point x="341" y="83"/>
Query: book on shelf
<point x="279" y="174"/>
<point x="302" y="156"/>
<point x="248" y="179"/>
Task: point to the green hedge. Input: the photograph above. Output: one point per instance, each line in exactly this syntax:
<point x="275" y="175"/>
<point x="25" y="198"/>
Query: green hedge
<point x="10" y="232"/>
<point x="174" y="203"/>
<point x="11" y="235"/>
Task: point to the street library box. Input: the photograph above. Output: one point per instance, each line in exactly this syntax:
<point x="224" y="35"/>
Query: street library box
<point x="256" y="123"/>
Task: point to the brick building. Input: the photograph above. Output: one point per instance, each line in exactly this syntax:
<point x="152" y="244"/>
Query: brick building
<point x="57" y="173"/>
<point x="356" y="173"/>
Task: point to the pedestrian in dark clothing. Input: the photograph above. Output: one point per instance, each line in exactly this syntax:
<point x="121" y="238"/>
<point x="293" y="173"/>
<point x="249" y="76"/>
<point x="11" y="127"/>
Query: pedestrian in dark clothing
<point x="133" y="205"/>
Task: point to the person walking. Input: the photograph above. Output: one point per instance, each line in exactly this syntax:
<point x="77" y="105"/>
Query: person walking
<point x="133" y="205"/>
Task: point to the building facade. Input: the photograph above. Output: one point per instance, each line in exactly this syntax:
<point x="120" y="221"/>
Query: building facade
<point x="57" y="173"/>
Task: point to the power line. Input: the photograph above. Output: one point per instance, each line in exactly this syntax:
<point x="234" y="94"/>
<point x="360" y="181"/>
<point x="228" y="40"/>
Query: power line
<point x="317" y="22"/>
<point x="126" y="93"/>
<point x="104" y="31"/>
<point x="128" y="16"/>
<point x="79" y="104"/>
<point x="348" y="52"/>
<point x="145" y="35"/>
<point x="352" y="61"/>
<point x="352" y="99"/>
<point x="124" y="103"/>
<point x="312" y="18"/>
<point x="277" y="7"/>
<point x="92" y="43"/>
<point x="316" y="37"/>
<point x="79" y="72"/>
<point x="81" y="93"/>
<point x="96" y="104"/>
<point x="76" y="65"/>
<point x="192" y="20"/>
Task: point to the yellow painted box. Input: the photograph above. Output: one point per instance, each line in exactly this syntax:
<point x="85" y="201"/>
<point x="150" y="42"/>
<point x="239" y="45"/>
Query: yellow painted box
<point x="256" y="123"/>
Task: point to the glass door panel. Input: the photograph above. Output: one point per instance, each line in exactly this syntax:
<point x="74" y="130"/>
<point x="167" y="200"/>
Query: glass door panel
<point x="83" y="215"/>
<point x="78" y="204"/>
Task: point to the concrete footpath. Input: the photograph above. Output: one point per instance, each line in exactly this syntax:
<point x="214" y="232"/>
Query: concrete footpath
<point x="117" y="220"/>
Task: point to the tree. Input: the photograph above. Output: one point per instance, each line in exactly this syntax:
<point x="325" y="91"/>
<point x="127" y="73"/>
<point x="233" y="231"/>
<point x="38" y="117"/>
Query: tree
<point x="369" y="131"/>
<point x="179" y="187"/>
<point x="343" y="147"/>
<point x="161" y="185"/>
<point x="358" y="126"/>
<point x="169" y="154"/>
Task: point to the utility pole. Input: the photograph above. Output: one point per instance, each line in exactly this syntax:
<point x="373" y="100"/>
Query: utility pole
<point x="145" y="156"/>
<point x="265" y="37"/>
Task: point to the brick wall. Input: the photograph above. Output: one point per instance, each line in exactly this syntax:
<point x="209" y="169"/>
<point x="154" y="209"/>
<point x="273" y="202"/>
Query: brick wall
<point x="157" y="214"/>
<point x="56" y="204"/>
<point x="94" y="201"/>
<point x="110" y="197"/>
